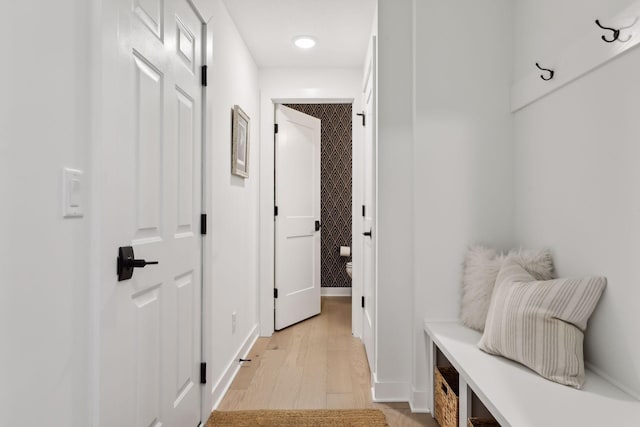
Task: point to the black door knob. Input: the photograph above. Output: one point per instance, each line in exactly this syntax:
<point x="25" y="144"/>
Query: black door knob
<point x="367" y="233"/>
<point x="318" y="225"/>
<point x="127" y="262"/>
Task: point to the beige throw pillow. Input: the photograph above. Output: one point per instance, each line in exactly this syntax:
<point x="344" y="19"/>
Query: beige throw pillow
<point x="481" y="267"/>
<point x="541" y="324"/>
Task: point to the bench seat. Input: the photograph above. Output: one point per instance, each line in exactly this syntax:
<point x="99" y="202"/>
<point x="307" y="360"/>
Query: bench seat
<point x="518" y="397"/>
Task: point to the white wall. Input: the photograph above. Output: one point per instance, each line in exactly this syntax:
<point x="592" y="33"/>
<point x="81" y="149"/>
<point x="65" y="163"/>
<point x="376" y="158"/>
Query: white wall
<point x="395" y="200"/>
<point x="45" y="125"/>
<point x="577" y="175"/>
<point x="463" y="151"/>
<point x="303" y="85"/>
<point x="231" y="248"/>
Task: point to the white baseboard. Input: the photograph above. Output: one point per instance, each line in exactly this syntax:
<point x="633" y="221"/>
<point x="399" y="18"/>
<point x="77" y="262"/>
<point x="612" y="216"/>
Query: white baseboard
<point x="419" y="401"/>
<point x="633" y="393"/>
<point x="335" y="292"/>
<point x="220" y="388"/>
<point x="389" y="391"/>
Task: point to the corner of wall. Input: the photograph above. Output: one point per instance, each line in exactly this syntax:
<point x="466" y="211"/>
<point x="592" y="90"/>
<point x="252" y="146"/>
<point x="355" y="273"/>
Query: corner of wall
<point x="419" y="401"/>
<point x="395" y="198"/>
<point x="219" y="389"/>
<point x="463" y="153"/>
<point x="231" y="281"/>
<point x="389" y="391"/>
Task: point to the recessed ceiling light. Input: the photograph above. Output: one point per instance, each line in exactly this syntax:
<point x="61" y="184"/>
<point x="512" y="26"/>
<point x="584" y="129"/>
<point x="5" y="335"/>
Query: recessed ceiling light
<point x="304" y="42"/>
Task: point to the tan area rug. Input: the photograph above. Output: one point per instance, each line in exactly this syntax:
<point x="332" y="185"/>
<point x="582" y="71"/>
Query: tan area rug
<point x="310" y="418"/>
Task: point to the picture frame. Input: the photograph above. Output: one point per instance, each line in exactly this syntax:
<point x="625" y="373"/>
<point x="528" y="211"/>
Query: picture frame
<point x="240" y="143"/>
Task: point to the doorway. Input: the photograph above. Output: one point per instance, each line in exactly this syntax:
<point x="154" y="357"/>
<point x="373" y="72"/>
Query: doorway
<point x="292" y="87"/>
<point x="334" y="228"/>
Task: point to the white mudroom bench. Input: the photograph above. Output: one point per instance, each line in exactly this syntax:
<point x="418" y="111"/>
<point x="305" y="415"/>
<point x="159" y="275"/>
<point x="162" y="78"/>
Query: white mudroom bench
<point x="517" y="396"/>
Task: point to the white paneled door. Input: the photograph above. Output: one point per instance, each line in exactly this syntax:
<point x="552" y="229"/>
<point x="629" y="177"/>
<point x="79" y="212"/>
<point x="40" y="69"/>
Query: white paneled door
<point x="149" y="163"/>
<point x="297" y="177"/>
<point x="369" y="256"/>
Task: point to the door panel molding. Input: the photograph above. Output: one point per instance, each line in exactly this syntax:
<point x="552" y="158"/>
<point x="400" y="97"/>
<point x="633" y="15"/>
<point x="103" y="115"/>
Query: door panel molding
<point x="149" y="185"/>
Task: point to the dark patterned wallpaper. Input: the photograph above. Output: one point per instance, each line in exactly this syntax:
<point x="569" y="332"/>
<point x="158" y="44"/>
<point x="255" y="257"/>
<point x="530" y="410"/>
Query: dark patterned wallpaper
<point x="336" y="182"/>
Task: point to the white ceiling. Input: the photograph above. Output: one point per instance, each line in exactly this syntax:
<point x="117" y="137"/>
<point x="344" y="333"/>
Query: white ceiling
<point x="341" y="28"/>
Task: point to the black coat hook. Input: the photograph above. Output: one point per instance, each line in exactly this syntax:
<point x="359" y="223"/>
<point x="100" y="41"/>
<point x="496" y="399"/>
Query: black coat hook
<point x="616" y="32"/>
<point x="551" y="73"/>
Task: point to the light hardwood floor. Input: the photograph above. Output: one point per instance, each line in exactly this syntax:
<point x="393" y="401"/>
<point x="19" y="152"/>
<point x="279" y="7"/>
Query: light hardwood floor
<point x="315" y="364"/>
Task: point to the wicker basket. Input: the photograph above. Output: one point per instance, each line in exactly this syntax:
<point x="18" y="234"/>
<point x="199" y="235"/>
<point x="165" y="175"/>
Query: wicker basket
<point x="483" y="422"/>
<point x="446" y="397"/>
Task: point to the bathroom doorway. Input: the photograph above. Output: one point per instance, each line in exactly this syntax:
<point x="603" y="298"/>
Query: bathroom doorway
<point x="330" y="229"/>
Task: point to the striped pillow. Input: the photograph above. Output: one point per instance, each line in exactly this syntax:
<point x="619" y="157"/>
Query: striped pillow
<point x="541" y="324"/>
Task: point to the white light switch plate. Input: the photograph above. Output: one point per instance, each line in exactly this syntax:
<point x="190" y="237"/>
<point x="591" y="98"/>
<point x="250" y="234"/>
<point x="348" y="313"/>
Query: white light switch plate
<point x="72" y="193"/>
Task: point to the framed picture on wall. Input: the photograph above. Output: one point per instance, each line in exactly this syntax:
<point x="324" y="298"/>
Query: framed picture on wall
<point x="240" y="143"/>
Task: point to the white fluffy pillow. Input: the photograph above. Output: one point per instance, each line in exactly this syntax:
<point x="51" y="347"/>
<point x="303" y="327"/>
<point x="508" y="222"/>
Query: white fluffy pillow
<point x="481" y="268"/>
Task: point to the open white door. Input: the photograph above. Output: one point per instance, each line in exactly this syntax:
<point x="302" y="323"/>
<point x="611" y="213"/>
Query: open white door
<point x="297" y="228"/>
<point x="369" y="232"/>
<point x="149" y="163"/>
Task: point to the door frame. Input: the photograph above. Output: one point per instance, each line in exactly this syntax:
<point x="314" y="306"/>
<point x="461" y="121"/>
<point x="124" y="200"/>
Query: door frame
<point x="206" y="397"/>
<point x="267" y="199"/>
<point x="102" y="42"/>
<point x="370" y="77"/>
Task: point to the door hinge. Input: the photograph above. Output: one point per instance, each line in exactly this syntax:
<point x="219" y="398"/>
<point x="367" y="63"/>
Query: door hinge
<point x="364" y="210"/>
<point x="203" y="224"/>
<point x="204" y="75"/>
<point x="275" y="128"/>
<point x="203" y="373"/>
<point x="363" y="302"/>
<point x="275" y="292"/>
<point x="275" y="211"/>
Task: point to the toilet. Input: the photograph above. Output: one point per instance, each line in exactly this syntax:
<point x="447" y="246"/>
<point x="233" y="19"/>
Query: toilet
<point x="349" y="268"/>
